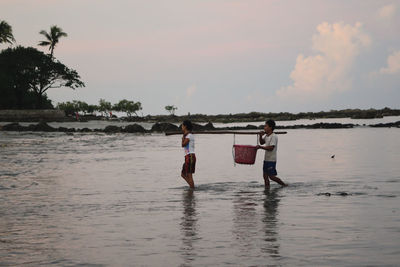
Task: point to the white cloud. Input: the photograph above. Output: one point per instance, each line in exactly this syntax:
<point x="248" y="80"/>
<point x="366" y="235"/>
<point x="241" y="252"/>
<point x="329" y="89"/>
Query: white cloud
<point x="337" y="45"/>
<point x="393" y="64"/>
<point x="387" y="12"/>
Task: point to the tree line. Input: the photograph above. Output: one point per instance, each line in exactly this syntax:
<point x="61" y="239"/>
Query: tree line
<point x="26" y="74"/>
<point x="104" y="107"/>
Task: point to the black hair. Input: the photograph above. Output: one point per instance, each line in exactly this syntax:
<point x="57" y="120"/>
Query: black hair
<point x="188" y="124"/>
<point x="271" y="123"/>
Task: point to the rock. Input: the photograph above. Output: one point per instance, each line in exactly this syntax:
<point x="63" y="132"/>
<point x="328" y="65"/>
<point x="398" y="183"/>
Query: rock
<point x="322" y="125"/>
<point x="198" y="128"/>
<point x="112" y="129"/>
<point x="390" y="124"/>
<point x="85" y="130"/>
<point x="42" y="127"/>
<point x="208" y="126"/>
<point x="134" y="128"/>
<point x="251" y="127"/>
<point x="164" y="127"/>
<point x="30" y="127"/>
<point x="63" y="129"/>
<point x="12" y="127"/>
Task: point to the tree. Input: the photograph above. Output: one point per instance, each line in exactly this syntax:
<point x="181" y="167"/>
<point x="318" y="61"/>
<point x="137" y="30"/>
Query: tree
<point x="6" y="35"/>
<point x="26" y="71"/>
<point x="81" y="106"/>
<point x="67" y="107"/>
<point x="171" y="109"/>
<point x="128" y="106"/>
<point x="104" y="106"/>
<point x="92" y="108"/>
<point x="52" y="38"/>
<point x="75" y="106"/>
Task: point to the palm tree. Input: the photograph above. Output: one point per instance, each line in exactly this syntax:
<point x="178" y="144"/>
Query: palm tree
<point x="6" y="35"/>
<point x="52" y="37"/>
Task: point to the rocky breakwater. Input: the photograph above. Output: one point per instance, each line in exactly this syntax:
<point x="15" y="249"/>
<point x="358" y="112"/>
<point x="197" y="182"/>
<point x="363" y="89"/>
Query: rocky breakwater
<point x="320" y="125"/>
<point x="389" y="125"/>
<point x="172" y="128"/>
<point x="44" y="127"/>
<point x="132" y="128"/>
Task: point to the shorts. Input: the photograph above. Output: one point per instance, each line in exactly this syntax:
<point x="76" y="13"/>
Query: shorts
<point x="270" y="168"/>
<point x="190" y="164"/>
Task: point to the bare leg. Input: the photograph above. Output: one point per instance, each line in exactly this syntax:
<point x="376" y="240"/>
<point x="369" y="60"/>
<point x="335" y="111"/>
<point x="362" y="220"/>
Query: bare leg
<point x="188" y="179"/>
<point x="278" y="180"/>
<point x="266" y="181"/>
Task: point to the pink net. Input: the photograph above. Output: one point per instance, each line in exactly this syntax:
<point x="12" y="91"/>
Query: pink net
<point x="244" y="154"/>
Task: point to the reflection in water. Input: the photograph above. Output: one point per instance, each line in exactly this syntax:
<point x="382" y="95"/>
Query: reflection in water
<point x="245" y="222"/>
<point x="271" y="201"/>
<point x="189" y="226"/>
<point x="255" y="232"/>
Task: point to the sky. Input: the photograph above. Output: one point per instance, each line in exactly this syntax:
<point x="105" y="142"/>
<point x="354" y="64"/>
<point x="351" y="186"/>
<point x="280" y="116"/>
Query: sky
<point x="222" y="56"/>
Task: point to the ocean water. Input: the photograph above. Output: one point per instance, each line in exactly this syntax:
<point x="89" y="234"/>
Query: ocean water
<point x="118" y="200"/>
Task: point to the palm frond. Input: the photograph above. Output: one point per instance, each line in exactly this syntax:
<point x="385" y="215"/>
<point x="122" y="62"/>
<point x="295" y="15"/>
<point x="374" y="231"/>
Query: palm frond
<point x="44" y="43"/>
<point x="43" y="32"/>
<point x="53" y="37"/>
<point x="6" y="35"/>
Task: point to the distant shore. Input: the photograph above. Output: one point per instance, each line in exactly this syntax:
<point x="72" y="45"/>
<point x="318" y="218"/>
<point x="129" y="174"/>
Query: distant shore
<point x="59" y="116"/>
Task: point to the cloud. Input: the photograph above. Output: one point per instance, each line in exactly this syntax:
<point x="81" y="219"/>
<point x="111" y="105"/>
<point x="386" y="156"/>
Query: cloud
<point x="393" y="64"/>
<point x="387" y="12"/>
<point x="317" y="77"/>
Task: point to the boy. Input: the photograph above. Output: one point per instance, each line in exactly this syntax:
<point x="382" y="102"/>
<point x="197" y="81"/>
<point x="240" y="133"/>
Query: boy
<point x="270" y="142"/>
<point x="189" y="166"/>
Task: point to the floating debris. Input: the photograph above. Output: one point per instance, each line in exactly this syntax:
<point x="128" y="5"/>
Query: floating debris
<point x="324" y="194"/>
<point x="343" y="194"/>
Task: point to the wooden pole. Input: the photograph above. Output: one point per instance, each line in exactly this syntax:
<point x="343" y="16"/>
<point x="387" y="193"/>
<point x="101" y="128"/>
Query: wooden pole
<point x="220" y="132"/>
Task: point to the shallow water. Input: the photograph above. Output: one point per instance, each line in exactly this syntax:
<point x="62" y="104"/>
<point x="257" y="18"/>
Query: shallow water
<point x="117" y="200"/>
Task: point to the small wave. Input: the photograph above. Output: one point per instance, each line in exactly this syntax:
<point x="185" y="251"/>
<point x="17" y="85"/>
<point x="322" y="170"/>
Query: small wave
<point x="13" y="186"/>
<point x="387" y="196"/>
<point x="341" y="193"/>
<point x="242" y="187"/>
<point x="370" y="187"/>
<point x="360" y="193"/>
<point x="32" y="184"/>
<point x="392" y="181"/>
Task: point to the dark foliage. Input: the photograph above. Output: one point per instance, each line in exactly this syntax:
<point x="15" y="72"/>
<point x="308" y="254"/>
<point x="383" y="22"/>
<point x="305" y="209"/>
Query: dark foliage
<point x="25" y="76"/>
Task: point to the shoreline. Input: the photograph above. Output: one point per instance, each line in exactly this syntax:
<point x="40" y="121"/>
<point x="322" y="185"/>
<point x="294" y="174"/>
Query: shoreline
<point x="60" y="116"/>
<point x="170" y="128"/>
